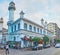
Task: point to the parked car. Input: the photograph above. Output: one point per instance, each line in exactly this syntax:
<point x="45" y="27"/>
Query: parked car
<point x="38" y="47"/>
<point x="1" y="46"/>
<point x="46" y="46"/>
<point x="34" y="47"/>
<point x="57" y="45"/>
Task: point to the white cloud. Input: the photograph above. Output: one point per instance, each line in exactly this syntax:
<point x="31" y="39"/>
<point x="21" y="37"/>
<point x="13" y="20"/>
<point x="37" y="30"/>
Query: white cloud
<point x="4" y="12"/>
<point x="34" y="9"/>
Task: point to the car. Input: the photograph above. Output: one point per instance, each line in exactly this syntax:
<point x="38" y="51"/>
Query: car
<point x="34" y="47"/>
<point x="46" y="46"/>
<point x="38" y="47"/>
<point x="1" y="46"/>
<point x="57" y="45"/>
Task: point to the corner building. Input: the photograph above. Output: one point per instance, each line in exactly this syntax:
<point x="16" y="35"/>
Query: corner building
<point x="23" y="28"/>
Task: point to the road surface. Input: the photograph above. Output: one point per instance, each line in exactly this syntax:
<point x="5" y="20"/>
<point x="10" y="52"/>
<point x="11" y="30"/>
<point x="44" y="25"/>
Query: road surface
<point x="48" y="51"/>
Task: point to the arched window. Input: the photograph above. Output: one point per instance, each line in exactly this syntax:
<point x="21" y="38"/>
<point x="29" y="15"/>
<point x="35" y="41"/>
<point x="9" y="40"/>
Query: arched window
<point x="15" y="27"/>
<point x="37" y="30"/>
<point x="40" y="31"/>
<point x="18" y="26"/>
<point x="12" y="29"/>
<point x="30" y="27"/>
<point x="14" y="38"/>
<point x="25" y="26"/>
<point x="34" y="29"/>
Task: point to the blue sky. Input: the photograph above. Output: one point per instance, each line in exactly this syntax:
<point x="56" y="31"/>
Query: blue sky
<point x="34" y="10"/>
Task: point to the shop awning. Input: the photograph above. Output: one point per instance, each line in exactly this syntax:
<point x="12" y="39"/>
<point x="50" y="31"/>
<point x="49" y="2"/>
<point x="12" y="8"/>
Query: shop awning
<point x="25" y="38"/>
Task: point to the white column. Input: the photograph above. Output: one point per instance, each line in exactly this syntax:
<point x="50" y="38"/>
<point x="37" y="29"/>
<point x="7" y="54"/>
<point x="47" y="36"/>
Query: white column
<point x="46" y="32"/>
<point x="11" y="15"/>
<point x="42" y="31"/>
<point x="22" y="25"/>
<point x="22" y="44"/>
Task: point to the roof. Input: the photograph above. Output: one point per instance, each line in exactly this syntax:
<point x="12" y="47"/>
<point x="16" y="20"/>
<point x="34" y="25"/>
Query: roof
<point x="32" y="22"/>
<point x="11" y="3"/>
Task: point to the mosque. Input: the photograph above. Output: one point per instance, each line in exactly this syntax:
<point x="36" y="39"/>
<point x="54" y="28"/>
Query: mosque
<point x="22" y="29"/>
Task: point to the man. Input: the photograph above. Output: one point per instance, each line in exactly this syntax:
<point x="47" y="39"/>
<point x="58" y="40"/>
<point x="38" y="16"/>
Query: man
<point x="7" y="48"/>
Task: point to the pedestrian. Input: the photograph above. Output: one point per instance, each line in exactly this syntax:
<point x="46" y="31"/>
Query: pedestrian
<point x="7" y="49"/>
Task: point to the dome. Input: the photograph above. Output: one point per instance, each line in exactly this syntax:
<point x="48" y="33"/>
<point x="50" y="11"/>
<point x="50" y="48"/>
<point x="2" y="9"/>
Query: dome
<point x="21" y="12"/>
<point x="12" y="3"/>
<point x="11" y="6"/>
<point x="1" y="18"/>
<point x="42" y="19"/>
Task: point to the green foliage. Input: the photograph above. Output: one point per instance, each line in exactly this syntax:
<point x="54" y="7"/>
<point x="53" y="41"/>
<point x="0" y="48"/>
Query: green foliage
<point x="57" y="40"/>
<point x="36" y="39"/>
<point x="45" y="39"/>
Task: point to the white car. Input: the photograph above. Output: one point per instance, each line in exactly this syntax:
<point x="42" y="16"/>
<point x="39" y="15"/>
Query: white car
<point x="46" y="46"/>
<point x="57" y="45"/>
<point x="40" y="46"/>
<point x="1" y="46"/>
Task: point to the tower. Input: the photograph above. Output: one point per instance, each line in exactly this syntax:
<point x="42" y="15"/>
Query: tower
<point x="1" y="28"/>
<point x="22" y="14"/>
<point x="42" y="22"/>
<point x="11" y="9"/>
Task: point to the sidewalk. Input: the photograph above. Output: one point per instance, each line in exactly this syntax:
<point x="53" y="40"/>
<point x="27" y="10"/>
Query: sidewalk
<point x="2" y="52"/>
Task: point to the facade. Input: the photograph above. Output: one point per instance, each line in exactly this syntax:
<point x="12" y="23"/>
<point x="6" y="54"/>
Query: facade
<point x="4" y="35"/>
<point x="3" y="32"/>
<point x="24" y="28"/>
<point x="59" y="33"/>
<point x="54" y="28"/>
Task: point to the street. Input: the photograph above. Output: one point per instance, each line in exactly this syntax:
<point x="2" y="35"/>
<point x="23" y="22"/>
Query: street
<point x="48" y="51"/>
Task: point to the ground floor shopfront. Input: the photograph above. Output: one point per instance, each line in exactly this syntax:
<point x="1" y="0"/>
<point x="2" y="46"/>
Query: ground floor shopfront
<point x="22" y="38"/>
<point x="22" y="43"/>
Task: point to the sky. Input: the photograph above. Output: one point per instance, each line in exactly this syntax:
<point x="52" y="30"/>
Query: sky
<point x="34" y="10"/>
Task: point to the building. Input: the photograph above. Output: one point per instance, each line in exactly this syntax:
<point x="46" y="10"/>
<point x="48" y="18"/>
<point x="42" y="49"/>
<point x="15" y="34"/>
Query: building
<point x="22" y="29"/>
<point x="53" y="27"/>
<point x="58" y="32"/>
<point x="3" y="32"/>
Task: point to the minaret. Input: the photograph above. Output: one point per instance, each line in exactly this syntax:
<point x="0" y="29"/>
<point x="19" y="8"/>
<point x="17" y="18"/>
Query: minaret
<point x="11" y="9"/>
<point x="46" y="28"/>
<point x="22" y="14"/>
<point x="42" y="22"/>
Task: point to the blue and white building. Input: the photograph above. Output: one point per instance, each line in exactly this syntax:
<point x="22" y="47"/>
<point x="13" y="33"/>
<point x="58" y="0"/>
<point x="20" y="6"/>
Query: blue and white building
<point x="3" y="32"/>
<point x="23" y="27"/>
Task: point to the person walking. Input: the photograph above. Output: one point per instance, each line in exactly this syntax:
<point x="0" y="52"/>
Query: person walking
<point x="7" y="48"/>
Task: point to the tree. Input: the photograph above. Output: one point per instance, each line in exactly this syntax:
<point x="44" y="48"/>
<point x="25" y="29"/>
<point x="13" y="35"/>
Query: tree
<point x="36" y="39"/>
<point x="57" y="40"/>
<point x="45" y="39"/>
